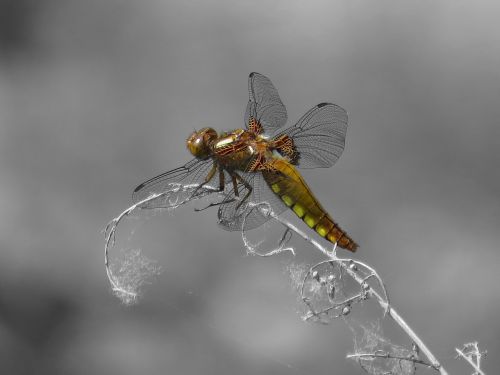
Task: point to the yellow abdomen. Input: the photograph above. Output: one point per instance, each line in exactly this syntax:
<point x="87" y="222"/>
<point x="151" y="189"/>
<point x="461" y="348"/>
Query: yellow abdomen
<point x="287" y="183"/>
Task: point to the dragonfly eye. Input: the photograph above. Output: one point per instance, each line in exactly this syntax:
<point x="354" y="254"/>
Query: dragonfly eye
<point x="198" y="143"/>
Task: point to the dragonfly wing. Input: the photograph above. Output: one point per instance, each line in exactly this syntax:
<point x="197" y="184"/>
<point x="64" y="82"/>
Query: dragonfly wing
<point x="319" y="136"/>
<point x="233" y="219"/>
<point x="264" y="104"/>
<point x="177" y="185"/>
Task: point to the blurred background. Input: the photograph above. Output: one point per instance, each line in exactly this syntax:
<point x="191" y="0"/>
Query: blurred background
<point x="97" y="96"/>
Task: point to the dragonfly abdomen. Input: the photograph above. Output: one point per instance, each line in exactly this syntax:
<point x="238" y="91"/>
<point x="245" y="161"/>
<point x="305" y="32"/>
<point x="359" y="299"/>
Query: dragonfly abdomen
<point x="287" y="183"/>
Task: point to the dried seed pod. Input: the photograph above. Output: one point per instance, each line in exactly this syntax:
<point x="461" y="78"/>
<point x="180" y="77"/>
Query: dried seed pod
<point x="315" y="275"/>
<point x="331" y="292"/>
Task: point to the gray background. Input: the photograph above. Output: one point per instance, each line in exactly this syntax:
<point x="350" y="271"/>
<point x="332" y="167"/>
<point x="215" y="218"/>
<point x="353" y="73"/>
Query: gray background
<point x="96" y="96"/>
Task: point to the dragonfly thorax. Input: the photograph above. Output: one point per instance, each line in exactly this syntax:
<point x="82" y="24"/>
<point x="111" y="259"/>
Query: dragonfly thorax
<point x="199" y="142"/>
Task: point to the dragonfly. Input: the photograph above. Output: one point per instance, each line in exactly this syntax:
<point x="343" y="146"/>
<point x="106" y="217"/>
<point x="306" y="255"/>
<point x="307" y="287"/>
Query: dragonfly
<point x="258" y="163"/>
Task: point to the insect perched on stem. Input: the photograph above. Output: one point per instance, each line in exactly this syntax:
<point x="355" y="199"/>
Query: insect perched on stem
<point x="257" y="164"/>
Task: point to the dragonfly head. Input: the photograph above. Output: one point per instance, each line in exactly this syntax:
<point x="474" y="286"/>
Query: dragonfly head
<point x="199" y="142"/>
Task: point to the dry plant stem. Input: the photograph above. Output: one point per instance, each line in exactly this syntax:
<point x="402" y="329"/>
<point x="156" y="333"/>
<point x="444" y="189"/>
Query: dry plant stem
<point x="110" y="230"/>
<point x="471" y="362"/>
<point x="391" y="356"/>
<point x="383" y="303"/>
<point x="109" y="233"/>
<point x="347" y="302"/>
<point x="252" y="249"/>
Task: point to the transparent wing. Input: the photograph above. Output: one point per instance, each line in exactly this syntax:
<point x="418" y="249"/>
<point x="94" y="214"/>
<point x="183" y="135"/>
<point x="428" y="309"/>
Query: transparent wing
<point x="264" y="103"/>
<point x="232" y="220"/>
<point x="180" y="184"/>
<point x="319" y="136"/>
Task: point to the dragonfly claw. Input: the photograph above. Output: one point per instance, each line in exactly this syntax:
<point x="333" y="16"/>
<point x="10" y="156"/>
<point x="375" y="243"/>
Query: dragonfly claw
<point x="214" y="205"/>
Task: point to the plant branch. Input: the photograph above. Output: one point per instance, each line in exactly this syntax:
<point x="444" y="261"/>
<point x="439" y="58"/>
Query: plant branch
<point x="391" y="356"/>
<point x="265" y="209"/>
<point x="173" y="197"/>
<point x="469" y="352"/>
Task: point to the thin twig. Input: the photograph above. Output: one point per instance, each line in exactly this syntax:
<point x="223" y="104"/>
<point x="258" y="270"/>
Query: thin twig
<point x="471" y="362"/>
<point x="252" y="249"/>
<point x="112" y="226"/>
<point x="265" y="209"/>
<point x="383" y="302"/>
<point x="390" y="356"/>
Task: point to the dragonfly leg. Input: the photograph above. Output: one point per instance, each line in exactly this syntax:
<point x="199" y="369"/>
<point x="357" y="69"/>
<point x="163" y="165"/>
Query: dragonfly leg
<point x="208" y="178"/>
<point x="222" y="182"/>
<point x="236" y="177"/>
<point x="224" y="201"/>
<point x="222" y="185"/>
